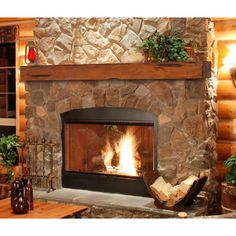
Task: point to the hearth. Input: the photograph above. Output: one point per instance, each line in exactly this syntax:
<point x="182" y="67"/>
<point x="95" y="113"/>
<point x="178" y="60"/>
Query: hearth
<point x="107" y="149"/>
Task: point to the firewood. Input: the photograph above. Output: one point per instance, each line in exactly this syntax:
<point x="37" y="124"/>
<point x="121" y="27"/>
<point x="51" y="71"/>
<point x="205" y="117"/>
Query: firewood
<point x="170" y="195"/>
<point x="161" y="188"/>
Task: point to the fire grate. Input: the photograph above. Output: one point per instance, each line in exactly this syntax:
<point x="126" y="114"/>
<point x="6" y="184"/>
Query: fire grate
<point x="36" y="160"/>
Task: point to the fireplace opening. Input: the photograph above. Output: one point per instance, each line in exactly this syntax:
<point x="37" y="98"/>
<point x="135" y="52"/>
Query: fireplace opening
<point x="107" y="149"/>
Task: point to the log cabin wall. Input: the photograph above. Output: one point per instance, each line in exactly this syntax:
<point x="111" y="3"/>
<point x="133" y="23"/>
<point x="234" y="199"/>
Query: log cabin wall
<point x="225" y="32"/>
<point x="26" y="33"/>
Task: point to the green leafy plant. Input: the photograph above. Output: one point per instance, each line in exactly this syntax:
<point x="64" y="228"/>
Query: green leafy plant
<point x="8" y="153"/>
<point x="163" y="47"/>
<point x="230" y="163"/>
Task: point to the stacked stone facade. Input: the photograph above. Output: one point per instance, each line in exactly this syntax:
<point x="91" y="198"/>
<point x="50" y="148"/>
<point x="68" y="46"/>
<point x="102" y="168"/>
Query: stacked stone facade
<point x="185" y="109"/>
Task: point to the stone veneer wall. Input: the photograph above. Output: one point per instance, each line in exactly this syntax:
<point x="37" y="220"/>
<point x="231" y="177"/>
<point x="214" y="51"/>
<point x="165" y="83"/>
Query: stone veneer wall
<point x="185" y="108"/>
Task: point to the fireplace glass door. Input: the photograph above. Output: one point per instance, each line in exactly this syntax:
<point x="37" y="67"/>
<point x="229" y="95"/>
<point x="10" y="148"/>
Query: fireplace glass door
<point x="107" y="149"/>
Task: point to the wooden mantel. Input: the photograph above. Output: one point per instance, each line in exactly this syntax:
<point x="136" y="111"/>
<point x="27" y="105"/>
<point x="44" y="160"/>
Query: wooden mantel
<point x="126" y="71"/>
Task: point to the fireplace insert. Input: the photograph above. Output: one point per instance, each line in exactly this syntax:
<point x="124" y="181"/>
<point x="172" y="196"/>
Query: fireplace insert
<point x="107" y="149"/>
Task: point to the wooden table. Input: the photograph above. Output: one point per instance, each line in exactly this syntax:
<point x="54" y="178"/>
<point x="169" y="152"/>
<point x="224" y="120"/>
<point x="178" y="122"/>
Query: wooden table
<point x="42" y="210"/>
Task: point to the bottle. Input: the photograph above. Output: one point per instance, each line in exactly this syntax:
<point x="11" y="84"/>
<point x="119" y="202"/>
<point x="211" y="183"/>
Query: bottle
<point x="29" y="194"/>
<point x="20" y="204"/>
<point x="16" y="187"/>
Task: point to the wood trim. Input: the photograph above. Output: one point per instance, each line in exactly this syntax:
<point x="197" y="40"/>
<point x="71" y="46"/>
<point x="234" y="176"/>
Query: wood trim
<point x="130" y="71"/>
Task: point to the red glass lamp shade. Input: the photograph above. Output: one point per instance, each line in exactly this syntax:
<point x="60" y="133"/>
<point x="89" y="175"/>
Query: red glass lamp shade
<point x="31" y="55"/>
<point x="31" y="52"/>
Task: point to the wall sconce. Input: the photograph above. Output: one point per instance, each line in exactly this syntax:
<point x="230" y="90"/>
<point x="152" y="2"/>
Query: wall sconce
<point x="230" y="61"/>
<point x="31" y="53"/>
<point x="233" y="75"/>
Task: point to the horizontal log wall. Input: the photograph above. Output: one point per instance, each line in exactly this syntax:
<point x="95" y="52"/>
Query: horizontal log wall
<point x="26" y="34"/>
<point x="226" y="97"/>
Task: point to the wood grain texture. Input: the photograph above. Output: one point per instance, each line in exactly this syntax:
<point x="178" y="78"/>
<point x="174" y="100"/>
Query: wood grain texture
<point x="225" y="149"/>
<point x="226" y="90"/>
<point x="42" y="210"/>
<point x="221" y="171"/>
<point x="227" y="109"/>
<point x="225" y="130"/>
<point x="130" y="71"/>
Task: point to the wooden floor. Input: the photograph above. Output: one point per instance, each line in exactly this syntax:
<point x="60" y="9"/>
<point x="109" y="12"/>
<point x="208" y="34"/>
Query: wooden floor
<point x="42" y="210"/>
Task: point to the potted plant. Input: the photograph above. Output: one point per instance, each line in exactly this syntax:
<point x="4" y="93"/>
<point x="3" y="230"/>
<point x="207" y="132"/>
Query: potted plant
<point x="228" y="187"/>
<point x="8" y="153"/>
<point x="164" y="48"/>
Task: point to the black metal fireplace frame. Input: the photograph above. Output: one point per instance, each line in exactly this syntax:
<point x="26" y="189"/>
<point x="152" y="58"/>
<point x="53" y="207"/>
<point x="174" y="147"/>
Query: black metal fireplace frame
<point x="104" y="182"/>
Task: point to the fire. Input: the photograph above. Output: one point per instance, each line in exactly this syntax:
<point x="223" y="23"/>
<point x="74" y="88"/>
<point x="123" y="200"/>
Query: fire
<point x="125" y="149"/>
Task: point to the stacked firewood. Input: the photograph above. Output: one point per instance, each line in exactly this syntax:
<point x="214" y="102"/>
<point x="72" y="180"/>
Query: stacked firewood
<point x="171" y="195"/>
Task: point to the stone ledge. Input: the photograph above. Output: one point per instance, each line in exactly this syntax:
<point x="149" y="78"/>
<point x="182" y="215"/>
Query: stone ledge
<point x="110" y="205"/>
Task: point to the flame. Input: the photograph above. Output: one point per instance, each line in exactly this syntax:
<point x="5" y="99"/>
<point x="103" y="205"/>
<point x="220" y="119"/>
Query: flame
<point x="125" y="148"/>
<point x="107" y="154"/>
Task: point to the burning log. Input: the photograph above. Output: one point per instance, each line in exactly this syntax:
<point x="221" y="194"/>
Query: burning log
<point x="171" y="195"/>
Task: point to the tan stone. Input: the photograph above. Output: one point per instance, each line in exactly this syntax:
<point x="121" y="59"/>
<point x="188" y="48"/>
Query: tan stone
<point x="44" y="22"/>
<point x="130" y="39"/>
<point x="42" y="60"/>
<point x="113" y="97"/>
<point x="66" y="25"/>
<point x="53" y="29"/>
<point x="163" y="119"/>
<point x="117" y="50"/>
<point x="130" y="101"/>
<point x="107" y="25"/>
<point x="163" y="25"/>
<point x="178" y="141"/>
<point x="162" y="92"/>
<point x="146" y="31"/>
<point x="90" y="51"/>
<point x="135" y="24"/>
<point x="64" y="41"/>
<point x="178" y="24"/>
<point x="92" y="23"/>
<point x="142" y="90"/>
<point x="193" y="126"/>
<point x="106" y="56"/>
<point x="196" y="25"/>
<point x="128" y="89"/>
<point x="40" y="111"/>
<point x="62" y="106"/>
<point x="195" y="89"/>
<point x="53" y="121"/>
<point x="99" y="97"/>
<point x="132" y="56"/>
<point x="80" y="56"/>
<point x="88" y="101"/>
<point x="58" y="57"/>
<point x="46" y="43"/>
<point x="143" y="103"/>
<point x="40" y="32"/>
<point x="164" y="133"/>
<point x="97" y="39"/>
<point x="179" y="113"/>
<point x="117" y="33"/>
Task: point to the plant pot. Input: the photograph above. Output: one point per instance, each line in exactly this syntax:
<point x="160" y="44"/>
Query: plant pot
<point x="228" y="197"/>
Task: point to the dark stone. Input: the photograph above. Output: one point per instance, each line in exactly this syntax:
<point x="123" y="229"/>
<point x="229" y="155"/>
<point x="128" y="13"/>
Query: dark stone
<point x="37" y="98"/>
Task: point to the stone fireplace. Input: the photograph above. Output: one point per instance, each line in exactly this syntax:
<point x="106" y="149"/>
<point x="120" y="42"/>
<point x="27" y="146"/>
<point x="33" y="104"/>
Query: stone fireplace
<point x="184" y="108"/>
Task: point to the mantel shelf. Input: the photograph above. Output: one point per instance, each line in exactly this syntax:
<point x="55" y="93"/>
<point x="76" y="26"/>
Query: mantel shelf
<point x="124" y="71"/>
